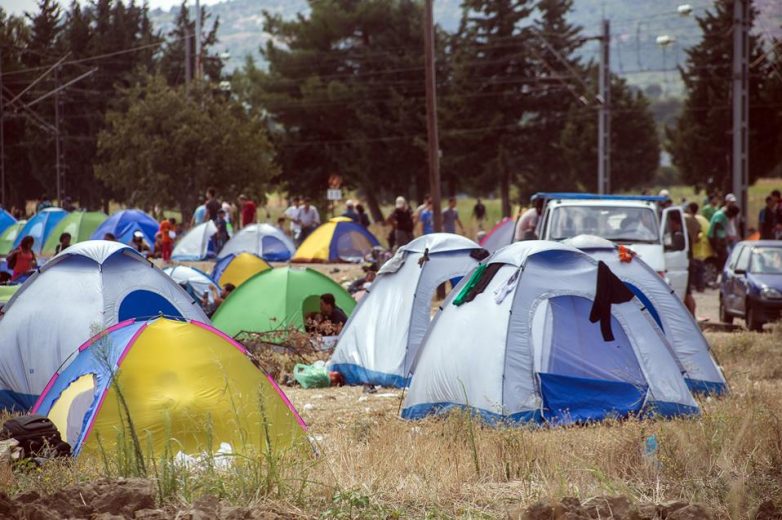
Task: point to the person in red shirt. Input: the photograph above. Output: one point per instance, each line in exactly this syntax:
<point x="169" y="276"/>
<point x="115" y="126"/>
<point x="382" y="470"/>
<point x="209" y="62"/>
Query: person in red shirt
<point x="249" y="211"/>
<point x="166" y="238"/>
<point x="22" y="260"/>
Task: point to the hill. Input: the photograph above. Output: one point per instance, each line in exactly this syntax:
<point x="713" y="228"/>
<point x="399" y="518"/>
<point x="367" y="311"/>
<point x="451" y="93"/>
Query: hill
<point x="635" y="26"/>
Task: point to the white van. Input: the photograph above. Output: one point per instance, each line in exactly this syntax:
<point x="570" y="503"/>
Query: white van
<point x="657" y="237"/>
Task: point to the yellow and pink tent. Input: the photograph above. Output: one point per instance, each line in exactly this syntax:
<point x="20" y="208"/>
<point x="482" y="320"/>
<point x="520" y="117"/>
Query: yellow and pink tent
<point x="182" y="385"/>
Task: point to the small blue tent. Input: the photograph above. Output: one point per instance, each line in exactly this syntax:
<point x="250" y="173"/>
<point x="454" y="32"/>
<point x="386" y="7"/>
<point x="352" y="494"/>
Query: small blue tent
<point x="40" y="226"/>
<point x="6" y="220"/>
<point x="123" y="224"/>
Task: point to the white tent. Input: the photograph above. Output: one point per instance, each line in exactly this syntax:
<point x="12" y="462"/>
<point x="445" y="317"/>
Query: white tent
<point x="381" y="339"/>
<point x="517" y="342"/>
<point x="690" y="347"/>
<point x="78" y="293"/>
<point x="264" y="240"/>
<point x="197" y="280"/>
<point x="196" y="244"/>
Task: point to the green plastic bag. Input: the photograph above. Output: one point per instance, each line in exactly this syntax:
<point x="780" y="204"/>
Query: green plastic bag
<point x="312" y="376"/>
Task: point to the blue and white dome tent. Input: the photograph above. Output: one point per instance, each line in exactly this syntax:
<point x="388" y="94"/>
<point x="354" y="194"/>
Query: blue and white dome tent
<point x="541" y="332"/>
<point x="263" y="240"/>
<point x="691" y="349"/>
<point x="381" y="339"/>
<point x="196" y="244"/>
<point x="88" y="287"/>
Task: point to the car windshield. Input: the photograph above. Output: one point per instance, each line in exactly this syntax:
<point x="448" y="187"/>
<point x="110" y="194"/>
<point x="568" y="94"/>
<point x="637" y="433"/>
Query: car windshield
<point x="619" y="224"/>
<point x="766" y="260"/>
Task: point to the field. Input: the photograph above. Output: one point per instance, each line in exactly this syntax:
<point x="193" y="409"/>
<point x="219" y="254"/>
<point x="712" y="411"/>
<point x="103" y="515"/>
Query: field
<point x="371" y="464"/>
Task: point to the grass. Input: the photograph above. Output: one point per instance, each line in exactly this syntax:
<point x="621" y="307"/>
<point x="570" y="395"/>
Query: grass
<point x="374" y="465"/>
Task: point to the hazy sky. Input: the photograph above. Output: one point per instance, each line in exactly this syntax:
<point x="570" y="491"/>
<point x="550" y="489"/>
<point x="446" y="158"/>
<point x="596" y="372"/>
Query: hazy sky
<point x="20" y="6"/>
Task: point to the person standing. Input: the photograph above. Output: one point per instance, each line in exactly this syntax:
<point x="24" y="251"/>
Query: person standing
<point x="165" y="232"/>
<point x="292" y="213"/>
<point x="718" y="234"/>
<point x="221" y="235"/>
<point x="701" y="251"/>
<point x="695" y="268"/>
<point x="248" y="210"/>
<point x="199" y="215"/>
<point x="22" y="259"/>
<point x="308" y="219"/>
<point x="767" y="220"/>
<point x="527" y="225"/>
<point x="64" y="243"/>
<point x="363" y="218"/>
<point x="479" y="213"/>
<point x="426" y="218"/>
<point x="451" y="217"/>
<point x="711" y="207"/>
<point x="401" y="221"/>
<point x="350" y="211"/>
<point x="212" y="204"/>
<point x="735" y="226"/>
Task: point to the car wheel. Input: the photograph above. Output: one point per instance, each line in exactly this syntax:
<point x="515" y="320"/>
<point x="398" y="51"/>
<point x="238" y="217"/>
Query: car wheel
<point x="724" y="316"/>
<point x="753" y="320"/>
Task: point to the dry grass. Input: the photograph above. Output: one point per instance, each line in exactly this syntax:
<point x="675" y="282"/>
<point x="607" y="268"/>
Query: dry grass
<point x="374" y="465"/>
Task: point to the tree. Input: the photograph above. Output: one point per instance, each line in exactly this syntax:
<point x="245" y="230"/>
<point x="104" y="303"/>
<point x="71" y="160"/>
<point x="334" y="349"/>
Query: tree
<point x="166" y="147"/>
<point x="173" y="60"/>
<point x="635" y="146"/>
<point x="344" y="94"/>
<point x="701" y="141"/>
<point x="492" y="68"/>
<point x="14" y="38"/>
<point x="555" y="94"/>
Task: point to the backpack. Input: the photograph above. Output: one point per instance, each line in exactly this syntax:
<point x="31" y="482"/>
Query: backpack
<point x="37" y="436"/>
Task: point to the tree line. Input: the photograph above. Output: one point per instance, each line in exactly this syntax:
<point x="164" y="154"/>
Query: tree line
<point x="342" y="92"/>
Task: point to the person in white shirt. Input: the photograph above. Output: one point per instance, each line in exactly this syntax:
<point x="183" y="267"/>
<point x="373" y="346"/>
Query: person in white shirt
<point x="308" y="218"/>
<point x="528" y="223"/>
<point x="292" y="213"/>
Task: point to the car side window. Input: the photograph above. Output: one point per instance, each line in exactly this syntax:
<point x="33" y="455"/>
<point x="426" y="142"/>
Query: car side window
<point x="742" y="264"/>
<point x="734" y="257"/>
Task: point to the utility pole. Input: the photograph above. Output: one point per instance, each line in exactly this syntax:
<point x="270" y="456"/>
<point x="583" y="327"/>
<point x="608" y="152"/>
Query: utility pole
<point x="57" y="134"/>
<point x="198" y="71"/>
<point x="604" y="114"/>
<point x="2" y="134"/>
<point x="741" y="103"/>
<point x="431" y="118"/>
<point x="188" y="62"/>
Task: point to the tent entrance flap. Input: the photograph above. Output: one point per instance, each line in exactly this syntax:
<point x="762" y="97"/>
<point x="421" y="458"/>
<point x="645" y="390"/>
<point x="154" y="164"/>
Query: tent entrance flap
<point x="70" y="409"/>
<point x="576" y="399"/>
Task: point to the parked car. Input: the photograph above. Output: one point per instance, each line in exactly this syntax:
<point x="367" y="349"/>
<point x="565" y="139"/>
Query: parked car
<point x="751" y="286"/>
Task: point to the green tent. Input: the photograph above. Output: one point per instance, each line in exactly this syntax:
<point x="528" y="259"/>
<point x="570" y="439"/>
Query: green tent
<point x="80" y="224"/>
<point x="277" y="300"/>
<point x="6" y="292"/>
<point x="8" y="237"/>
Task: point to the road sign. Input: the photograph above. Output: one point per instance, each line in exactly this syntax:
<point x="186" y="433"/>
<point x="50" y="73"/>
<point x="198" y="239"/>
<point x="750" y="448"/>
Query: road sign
<point x="334" y="194"/>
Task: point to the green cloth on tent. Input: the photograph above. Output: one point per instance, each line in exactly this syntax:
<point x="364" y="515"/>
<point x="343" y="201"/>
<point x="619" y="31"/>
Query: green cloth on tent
<point x="461" y="298"/>
<point x="276" y="300"/>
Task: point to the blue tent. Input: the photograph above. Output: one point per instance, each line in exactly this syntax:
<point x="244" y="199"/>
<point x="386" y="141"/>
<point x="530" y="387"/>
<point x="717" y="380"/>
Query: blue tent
<point x="40" y="226"/>
<point x="123" y="224"/>
<point x="6" y="220"/>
